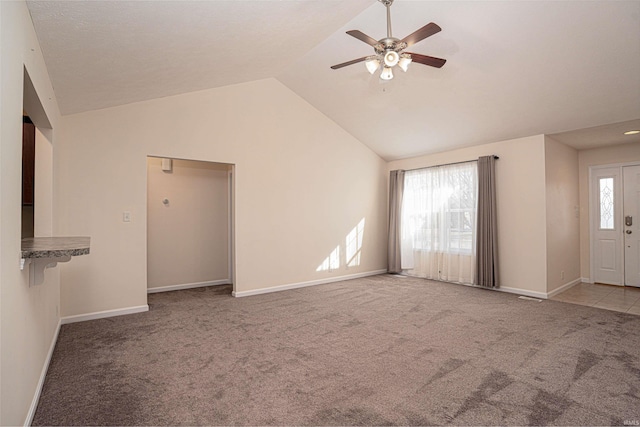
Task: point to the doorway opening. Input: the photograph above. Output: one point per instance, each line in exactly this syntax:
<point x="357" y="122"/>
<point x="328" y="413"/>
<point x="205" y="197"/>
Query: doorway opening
<point x="190" y="236"/>
<point x="37" y="165"/>
<point x="614" y="198"/>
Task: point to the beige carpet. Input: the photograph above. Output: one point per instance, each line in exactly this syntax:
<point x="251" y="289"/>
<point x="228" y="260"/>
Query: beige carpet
<point x="376" y="351"/>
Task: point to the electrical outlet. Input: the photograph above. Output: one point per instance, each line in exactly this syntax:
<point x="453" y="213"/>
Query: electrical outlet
<point x="126" y="216"/>
<point x="562" y="274"/>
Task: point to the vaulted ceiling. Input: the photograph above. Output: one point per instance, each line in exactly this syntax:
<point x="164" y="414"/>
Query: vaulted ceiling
<point x="514" y="68"/>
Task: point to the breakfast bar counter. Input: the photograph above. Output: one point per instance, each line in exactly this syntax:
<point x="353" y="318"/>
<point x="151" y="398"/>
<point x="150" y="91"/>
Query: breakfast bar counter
<point x="47" y="252"/>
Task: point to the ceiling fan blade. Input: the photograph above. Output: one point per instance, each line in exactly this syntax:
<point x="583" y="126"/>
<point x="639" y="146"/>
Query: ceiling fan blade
<point x="427" y="60"/>
<point x="421" y="34"/>
<point x="363" y="37"/>
<point x="344" y="64"/>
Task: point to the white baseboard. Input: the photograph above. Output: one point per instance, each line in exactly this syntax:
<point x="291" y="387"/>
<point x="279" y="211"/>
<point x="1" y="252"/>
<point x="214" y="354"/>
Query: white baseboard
<point x="188" y="286"/>
<point x="586" y="280"/>
<point x="43" y="374"/>
<point x="104" y="314"/>
<point x="541" y="295"/>
<point x="305" y="284"/>
<point x="564" y="287"/>
<point x="515" y="291"/>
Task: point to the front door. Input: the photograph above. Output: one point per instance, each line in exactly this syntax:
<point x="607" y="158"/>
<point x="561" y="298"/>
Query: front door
<point x="631" y="225"/>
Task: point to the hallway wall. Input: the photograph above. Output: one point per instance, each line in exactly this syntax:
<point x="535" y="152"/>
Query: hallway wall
<point x="188" y="237"/>
<point x="29" y="317"/>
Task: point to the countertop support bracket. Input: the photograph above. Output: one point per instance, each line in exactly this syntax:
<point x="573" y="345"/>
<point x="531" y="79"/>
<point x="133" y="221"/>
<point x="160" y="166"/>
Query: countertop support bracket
<point x="46" y="252"/>
<point x="38" y="265"/>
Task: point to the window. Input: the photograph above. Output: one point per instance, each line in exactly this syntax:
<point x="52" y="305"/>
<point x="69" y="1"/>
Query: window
<point x="607" y="211"/>
<point x="438" y="222"/>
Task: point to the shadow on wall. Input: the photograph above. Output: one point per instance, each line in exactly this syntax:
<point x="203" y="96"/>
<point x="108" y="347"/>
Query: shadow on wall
<point x="352" y="250"/>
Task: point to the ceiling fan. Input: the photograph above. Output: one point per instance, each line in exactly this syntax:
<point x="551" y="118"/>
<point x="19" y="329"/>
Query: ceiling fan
<point x="390" y="50"/>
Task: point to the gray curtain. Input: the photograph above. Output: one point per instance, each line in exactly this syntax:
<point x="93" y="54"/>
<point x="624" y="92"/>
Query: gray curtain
<point x="396" y="189"/>
<point x="487" y="233"/>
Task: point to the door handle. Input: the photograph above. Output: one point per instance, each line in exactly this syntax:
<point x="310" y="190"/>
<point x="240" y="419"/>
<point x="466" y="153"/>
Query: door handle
<point x="628" y="231"/>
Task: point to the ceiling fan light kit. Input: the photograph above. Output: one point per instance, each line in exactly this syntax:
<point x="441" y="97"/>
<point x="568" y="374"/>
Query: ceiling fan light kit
<point x="405" y="60"/>
<point x="391" y="58"/>
<point x="390" y="50"/>
<point x="387" y="73"/>
<point x="372" y="63"/>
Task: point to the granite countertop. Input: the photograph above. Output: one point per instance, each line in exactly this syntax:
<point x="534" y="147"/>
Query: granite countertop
<point x="54" y="247"/>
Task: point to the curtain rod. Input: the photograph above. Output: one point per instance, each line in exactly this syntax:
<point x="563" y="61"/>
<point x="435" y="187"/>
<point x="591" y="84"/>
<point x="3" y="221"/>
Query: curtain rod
<point x="447" y="164"/>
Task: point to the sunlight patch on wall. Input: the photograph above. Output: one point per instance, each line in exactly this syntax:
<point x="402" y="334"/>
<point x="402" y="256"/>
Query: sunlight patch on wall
<point x="332" y="262"/>
<point x="354" y="244"/>
<point x="352" y="251"/>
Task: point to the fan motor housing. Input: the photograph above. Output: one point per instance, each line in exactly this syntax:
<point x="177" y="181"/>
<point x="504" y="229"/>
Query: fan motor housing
<point x="390" y="43"/>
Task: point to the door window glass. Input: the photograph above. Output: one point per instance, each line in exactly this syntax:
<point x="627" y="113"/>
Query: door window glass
<point x="606" y="204"/>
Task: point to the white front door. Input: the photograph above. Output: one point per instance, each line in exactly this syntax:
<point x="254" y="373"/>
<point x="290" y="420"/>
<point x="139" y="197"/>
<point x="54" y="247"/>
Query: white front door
<point x="606" y="226"/>
<point x="631" y="225"/>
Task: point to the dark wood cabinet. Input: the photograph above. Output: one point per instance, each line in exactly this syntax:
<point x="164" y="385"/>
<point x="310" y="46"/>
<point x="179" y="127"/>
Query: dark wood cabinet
<point x="28" y="175"/>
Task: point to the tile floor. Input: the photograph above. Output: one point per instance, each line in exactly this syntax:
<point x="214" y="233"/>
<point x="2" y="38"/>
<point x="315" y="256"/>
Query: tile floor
<point x="616" y="298"/>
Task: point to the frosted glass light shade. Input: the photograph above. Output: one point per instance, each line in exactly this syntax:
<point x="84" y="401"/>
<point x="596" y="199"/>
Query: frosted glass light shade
<point x="372" y="64"/>
<point x="404" y="63"/>
<point x="391" y="58"/>
<point x="387" y="73"/>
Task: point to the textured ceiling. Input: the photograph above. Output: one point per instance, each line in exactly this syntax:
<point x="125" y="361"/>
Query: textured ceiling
<point x="105" y="53"/>
<point x="514" y="68"/>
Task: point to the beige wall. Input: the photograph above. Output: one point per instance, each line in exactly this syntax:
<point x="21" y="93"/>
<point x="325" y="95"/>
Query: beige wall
<point x="521" y="200"/>
<point x="301" y="185"/>
<point x="43" y="215"/>
<point x="617" y="154"/>
<point x="563" y="224"/>
<point x="187" y="238"/>
<point x="28" y="316"/>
